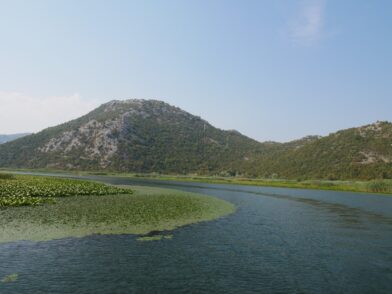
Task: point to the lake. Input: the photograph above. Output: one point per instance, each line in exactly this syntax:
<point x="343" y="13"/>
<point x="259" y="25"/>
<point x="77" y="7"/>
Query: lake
<point x="278" y="241"/>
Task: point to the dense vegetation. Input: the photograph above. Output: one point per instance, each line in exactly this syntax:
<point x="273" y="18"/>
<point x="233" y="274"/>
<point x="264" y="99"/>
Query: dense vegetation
<point x="29" y="190"/>
<point x="148" y="136"/>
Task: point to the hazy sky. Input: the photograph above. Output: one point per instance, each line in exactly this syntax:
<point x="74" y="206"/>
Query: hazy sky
<point x="274" y="70"/>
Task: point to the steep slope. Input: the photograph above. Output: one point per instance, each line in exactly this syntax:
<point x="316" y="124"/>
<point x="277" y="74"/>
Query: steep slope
<point x="8" y="138"/>
<point x="133" y="135"/>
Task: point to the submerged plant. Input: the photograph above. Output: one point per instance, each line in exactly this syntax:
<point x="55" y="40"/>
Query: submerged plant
<point x="10" y="278"/>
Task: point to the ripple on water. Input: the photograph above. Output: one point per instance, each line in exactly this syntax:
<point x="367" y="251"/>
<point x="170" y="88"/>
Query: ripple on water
<point x="272" y="244"/>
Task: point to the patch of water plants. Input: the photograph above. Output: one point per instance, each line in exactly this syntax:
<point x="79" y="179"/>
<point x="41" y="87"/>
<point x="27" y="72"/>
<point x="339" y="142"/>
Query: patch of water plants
<point x="79" y="212"/>
<point x="10" y="278"/>
<point x="23" y="190"/>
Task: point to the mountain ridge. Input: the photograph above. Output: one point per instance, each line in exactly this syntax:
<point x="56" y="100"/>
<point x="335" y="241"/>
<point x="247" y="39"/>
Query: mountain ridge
<point x="138" y="135"/>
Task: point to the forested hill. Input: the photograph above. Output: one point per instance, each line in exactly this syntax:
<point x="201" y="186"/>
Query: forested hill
<point x="8" y="138"/>
<point x="153" y="136"/>
<point x="356" y="153"/>
<point x="133" y="135"/>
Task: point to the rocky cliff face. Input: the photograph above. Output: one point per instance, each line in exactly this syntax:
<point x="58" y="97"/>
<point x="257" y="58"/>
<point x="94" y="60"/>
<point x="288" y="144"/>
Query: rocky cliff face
<point x="97" y="140"/>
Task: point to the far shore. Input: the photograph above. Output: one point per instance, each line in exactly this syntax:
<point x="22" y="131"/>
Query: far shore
<point x="376" y="186"/>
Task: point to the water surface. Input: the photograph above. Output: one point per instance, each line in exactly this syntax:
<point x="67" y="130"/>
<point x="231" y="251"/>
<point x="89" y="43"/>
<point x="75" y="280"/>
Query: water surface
<point x="279" y="240"/>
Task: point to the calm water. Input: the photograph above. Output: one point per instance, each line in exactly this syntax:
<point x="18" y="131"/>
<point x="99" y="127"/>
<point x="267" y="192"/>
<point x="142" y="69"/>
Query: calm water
<point x="279" y="241"/>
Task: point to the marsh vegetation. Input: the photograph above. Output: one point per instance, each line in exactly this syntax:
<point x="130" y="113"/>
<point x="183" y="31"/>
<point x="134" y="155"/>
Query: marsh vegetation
<point x="23" y="190"/>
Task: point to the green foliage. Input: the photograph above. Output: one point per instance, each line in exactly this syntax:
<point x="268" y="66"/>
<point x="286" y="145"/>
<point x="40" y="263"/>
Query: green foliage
<point x="24" y="201"/>
<point x="380" y="186"/>
<point x="30" y="190"/>
<point x="4" y="176"/>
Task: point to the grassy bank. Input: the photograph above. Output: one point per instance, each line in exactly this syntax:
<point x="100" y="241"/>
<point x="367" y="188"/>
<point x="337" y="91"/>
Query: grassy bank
<point x="374" y="186"/>
<point x="140" y="212"/>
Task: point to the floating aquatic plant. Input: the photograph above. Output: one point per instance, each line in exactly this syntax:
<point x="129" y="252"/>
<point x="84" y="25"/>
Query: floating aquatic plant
<point x="144" y="212"/>
<point x="29" y="190"/>
<point x="10" y="278"/>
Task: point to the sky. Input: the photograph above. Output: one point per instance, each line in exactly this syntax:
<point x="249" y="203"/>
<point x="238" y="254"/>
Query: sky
<point x="274" y="70"/>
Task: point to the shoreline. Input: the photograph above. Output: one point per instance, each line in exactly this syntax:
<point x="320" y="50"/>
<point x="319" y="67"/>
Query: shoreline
<point x="356" y="186"/>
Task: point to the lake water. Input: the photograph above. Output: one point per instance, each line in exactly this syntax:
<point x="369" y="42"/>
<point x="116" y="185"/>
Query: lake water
<point x="278" y="241"/>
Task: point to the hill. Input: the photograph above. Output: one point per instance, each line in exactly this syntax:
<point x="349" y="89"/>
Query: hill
<point x="356" y="153"/>
<point x="133" y="135"/>
<point x="152" y="136"/>
<point x="8" y="138"/>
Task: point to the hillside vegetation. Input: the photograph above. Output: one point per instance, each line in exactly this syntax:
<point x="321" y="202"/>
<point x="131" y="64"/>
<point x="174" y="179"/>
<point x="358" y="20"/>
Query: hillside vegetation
<point x="135" y="135"/>
<point x="146" y="136"/>
<point x="356" y="153"/>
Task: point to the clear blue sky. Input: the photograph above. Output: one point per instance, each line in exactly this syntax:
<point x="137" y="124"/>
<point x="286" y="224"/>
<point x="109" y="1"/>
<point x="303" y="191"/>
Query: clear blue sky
<point x="274" y="70"/>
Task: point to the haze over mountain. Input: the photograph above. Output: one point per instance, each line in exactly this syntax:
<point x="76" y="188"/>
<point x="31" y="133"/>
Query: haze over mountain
<point x="153" y="136"/>
<point x="11" y="137"/>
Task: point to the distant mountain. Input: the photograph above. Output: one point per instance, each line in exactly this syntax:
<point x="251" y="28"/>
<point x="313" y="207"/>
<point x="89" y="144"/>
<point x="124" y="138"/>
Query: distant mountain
<point x="153" y="136"/>
<point x="8" y="138"/>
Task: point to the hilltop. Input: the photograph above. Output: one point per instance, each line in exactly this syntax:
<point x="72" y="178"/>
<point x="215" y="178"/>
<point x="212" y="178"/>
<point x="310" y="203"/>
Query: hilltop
<point x="132" y="135"/>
